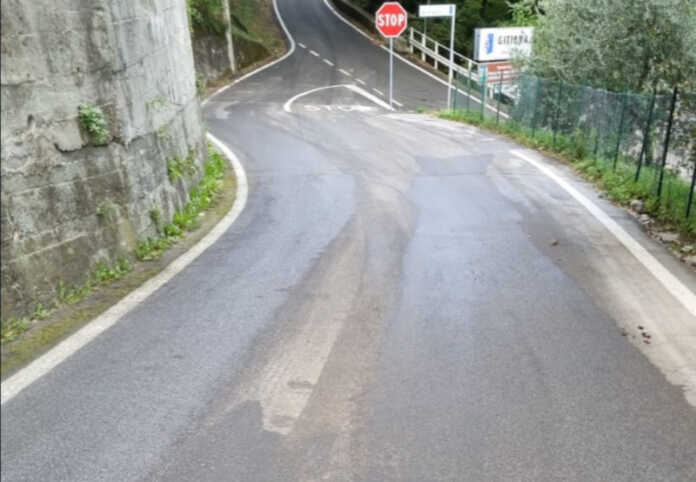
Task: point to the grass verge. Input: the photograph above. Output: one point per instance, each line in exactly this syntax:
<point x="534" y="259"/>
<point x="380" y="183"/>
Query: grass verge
<point x="668" y="211"/>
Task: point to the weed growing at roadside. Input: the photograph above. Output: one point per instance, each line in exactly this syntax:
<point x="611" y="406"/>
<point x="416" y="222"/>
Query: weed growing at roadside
<point x="156" y="218"/>
<point x="176" y="168"/>
<point x="40" y="312"/>
<point x="152" y="248"/>
<point x="105" y="273"/>
<point x="12" y="328"/>
<point x="187" y="219"/>
<point x="92" y="120"/>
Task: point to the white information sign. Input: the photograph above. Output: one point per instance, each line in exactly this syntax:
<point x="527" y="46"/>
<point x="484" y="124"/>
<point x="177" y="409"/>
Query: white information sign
<point x="441" y="10"/>
<point x="502" y="43"/>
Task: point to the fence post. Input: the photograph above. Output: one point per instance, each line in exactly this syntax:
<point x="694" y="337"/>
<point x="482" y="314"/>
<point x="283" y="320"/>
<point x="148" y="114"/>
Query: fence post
<point x="646" y="135"/>
<point x="424" y="45"/>
<point x="500" y="94"/>
<point x="437" y="54"/>
<point x="484" y="81"/>
<point x="666" y="144"/>
<point x="454" y="106"/>
<point x="618" y="134"/>
<point x="558" y="111"/>
<point x="536" y="101"/>
<point x="411" y="39"/>
<point x="468" y="89"/>
<point x="693" y="183"/>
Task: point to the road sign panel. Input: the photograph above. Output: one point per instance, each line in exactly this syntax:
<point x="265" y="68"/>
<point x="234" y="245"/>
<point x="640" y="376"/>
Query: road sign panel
<point x="391" y="19"/>
<point x="441" y="10"/>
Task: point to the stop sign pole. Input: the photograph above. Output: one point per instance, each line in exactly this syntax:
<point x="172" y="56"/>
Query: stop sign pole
<point x="391" y="20"/>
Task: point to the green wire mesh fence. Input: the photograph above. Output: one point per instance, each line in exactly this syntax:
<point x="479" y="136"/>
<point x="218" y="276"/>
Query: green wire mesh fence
<point x="640" y="145"/>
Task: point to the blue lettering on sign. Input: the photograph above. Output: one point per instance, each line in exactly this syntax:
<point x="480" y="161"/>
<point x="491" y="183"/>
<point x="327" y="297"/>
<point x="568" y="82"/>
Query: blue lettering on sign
<point x="489" y="43"/>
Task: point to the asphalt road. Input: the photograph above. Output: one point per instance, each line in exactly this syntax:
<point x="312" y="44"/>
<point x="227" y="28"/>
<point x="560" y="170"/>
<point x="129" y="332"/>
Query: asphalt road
<point x="401" y="299"/>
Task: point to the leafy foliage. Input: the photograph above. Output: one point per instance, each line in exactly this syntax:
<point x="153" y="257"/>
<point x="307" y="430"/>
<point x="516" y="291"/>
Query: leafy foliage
<point x="176" y="168"/>
<point x="207" y="16"/>
<point x="92" y="120"/>
<point x="634" y="45"/>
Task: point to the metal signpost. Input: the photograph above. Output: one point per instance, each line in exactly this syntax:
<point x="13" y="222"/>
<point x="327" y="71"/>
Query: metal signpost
<point x="443" y="10"/>
<point x="391" y="20"/>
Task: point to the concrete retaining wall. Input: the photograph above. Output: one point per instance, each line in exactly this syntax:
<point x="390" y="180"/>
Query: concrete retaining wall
<point x="65" y="203"/>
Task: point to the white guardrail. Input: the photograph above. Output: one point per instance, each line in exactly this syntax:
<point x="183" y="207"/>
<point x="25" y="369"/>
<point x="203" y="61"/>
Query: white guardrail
<point x="429" y="47"/>
<point x="432" y="51"/>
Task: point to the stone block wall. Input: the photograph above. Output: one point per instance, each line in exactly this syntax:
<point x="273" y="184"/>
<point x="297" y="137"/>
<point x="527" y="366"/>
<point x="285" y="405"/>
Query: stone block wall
<point x="66" y="203"/>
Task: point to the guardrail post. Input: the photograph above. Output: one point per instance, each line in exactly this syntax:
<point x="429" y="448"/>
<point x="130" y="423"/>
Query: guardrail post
<point x="437" y="53"/>
<point x="411" y="39"/>
<point x="424" y="43"/>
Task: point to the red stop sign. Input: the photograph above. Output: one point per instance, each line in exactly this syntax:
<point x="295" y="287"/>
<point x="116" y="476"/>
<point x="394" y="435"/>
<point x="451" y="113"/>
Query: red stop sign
<point x="391" y="19"/>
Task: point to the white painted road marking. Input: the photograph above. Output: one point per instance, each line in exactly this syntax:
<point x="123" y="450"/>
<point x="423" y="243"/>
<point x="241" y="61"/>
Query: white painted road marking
<point x="663" y="275"/>
<point x="344" y="72"/>
<point x="360" y="82"/>
<point x="62" y="351"/>
<point x="263" y="67"/>
<point x="406" y="61"/>
<point x="328" y="62"/>
<point x="316" y="54"/>
<point x="674" y="362"/>
<point x="379" y="92"/>
<point x="339" y="107"/>
<point x="287" y="107"/>
<point x="369" y="96"/>
<point x="59" y="353"/>
<point x="302" y="45"/>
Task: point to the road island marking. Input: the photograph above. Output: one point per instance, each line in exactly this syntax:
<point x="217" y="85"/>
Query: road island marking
<point x="287" y="107"/>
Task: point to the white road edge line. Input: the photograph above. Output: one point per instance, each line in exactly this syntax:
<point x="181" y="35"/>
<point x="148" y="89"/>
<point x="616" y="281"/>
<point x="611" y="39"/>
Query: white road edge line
<point x="328" y="62"/>
<point x="433" y="76"/>
<point x="287" y="107"/>
<point x="369" y="96"/>
<point x="302" y="45"/>
<point x="344" y="72"/>
<point x="316" y="54"/>
<point x="59" y="353"/>
<point x="263" y="67"/>
<point x="671" y="283"/>
<point x="379" y="92"/>
<point x="62" y="351"/>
